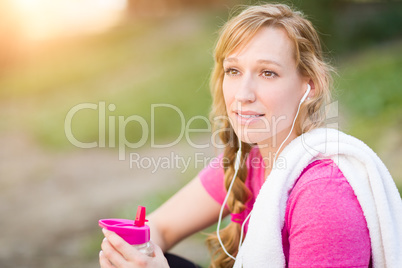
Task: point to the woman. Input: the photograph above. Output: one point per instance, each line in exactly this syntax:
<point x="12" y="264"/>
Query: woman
<point x="269" y="86"/>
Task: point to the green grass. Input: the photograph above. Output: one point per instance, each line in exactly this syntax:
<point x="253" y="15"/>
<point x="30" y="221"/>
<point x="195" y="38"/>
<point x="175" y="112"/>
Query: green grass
<point x="132" y="67"/>
<point x="370" y="95"/>
<point x="370" y="91"/>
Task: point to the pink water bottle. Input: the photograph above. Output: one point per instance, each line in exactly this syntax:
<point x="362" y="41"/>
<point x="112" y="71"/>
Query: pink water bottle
<point x="135" y="233"/>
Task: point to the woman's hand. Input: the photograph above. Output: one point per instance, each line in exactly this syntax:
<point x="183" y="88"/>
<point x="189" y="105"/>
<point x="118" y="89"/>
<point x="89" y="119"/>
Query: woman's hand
<point x="118" y="253"/>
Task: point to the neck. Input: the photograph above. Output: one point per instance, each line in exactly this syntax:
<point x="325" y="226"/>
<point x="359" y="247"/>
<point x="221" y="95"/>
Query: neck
<point x="269" y="148"/>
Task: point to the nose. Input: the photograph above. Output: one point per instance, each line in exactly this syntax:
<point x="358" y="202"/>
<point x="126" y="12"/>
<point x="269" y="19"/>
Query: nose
<point x="245" y="91"/>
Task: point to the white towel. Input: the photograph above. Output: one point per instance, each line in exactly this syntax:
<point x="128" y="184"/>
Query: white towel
<point x="367" y="175"/>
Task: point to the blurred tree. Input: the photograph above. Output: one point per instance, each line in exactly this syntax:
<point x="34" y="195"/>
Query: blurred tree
<point x="360" y="24"/>
<point x="346" y="25"/>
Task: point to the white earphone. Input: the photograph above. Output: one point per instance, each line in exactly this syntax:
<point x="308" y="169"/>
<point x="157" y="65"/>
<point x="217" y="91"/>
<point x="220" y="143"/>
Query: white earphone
<point x="237" y="166"/>
<point x="305" y="94"/>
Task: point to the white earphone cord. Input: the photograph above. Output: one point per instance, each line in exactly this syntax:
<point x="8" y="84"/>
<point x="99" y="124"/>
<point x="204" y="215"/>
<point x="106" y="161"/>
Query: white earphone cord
<point x="237" y="165"/>
<point x="248" y="216"/>
<point x="290" y="132"/>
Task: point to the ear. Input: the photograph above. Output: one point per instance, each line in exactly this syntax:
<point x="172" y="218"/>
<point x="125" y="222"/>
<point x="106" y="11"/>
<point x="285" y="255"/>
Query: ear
<point x="312" y="91"/>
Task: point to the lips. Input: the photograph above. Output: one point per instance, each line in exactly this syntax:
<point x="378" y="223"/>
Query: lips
<point x="248" y="117"/>
<point x="248" y="114"/>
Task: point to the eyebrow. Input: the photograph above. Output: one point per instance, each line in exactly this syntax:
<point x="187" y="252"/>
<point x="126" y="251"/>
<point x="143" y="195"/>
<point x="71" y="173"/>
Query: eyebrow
<point x="231" y="59"/>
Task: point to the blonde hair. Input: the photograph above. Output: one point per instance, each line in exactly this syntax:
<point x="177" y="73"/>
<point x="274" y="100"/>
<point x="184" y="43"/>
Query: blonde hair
<point x="310" y="63"/>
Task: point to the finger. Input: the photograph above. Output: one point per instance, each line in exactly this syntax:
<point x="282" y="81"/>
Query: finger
<point x="126" y="250"/>
<point x="112" y="254"/>
<point x="157" y="250"/>
<point x="159" y="258"/>
<point x="103" y="261"/>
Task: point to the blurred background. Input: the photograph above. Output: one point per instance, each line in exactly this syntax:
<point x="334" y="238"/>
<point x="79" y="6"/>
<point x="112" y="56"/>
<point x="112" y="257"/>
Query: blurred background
<point x="56" y="54"/>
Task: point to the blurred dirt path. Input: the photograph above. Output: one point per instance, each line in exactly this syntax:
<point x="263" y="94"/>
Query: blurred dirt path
<point x="50" y="202"/>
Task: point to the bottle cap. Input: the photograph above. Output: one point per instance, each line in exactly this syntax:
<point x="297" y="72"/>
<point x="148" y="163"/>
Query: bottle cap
<point x="133" y="232"/>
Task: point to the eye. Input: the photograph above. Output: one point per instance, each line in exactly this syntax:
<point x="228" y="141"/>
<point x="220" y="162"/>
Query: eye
<point x="231" y="72"/>
<point x="268" y="74"/>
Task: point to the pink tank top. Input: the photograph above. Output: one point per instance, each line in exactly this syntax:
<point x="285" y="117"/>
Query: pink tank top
<point x="324" y="223"/>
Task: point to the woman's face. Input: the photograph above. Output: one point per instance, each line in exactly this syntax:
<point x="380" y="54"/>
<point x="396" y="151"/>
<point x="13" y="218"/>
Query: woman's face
<point x="262" y="87"/>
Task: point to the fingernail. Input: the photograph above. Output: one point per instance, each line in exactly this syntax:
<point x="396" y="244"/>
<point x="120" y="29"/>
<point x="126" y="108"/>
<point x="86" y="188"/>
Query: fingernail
<point x="100" y="253"/>
<point x="104" y="239"/>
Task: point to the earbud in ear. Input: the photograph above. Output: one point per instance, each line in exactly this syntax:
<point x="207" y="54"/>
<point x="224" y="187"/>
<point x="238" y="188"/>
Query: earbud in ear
<point x="305" y="94"/>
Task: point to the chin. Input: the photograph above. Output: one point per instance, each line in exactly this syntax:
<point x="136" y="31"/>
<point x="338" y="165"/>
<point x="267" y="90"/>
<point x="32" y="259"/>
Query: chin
<point x="256" y="138"/>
